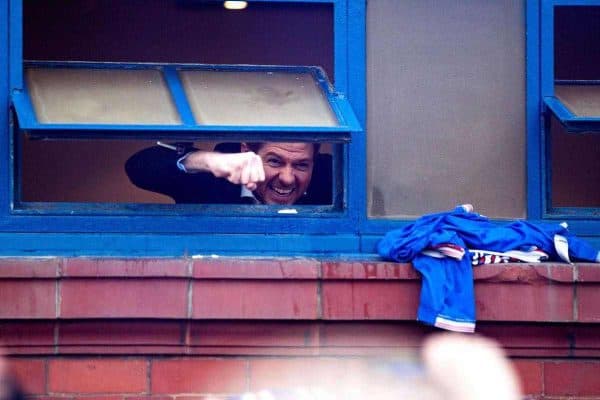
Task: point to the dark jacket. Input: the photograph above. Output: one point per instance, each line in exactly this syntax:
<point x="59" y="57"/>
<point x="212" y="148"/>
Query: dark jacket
<point x="155" y="169"/>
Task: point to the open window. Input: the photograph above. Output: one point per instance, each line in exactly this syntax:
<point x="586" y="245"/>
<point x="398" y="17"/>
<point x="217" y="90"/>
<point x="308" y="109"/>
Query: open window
<point x="218" y="102"/>
<point x="104" y="84"/>
<point x="571" y="94"/>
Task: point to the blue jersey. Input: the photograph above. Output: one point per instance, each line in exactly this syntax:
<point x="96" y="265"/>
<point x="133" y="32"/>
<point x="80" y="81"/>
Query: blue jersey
<point x="447" y="297"/>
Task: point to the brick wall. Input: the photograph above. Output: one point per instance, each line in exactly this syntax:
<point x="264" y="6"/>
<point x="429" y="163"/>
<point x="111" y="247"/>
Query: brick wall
<point x="161" y="378"/>
<point x="168" y="328"/>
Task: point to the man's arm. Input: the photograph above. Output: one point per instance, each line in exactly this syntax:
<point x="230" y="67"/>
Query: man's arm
<point x="155" y="169"/>
<point x="238" y="168"/>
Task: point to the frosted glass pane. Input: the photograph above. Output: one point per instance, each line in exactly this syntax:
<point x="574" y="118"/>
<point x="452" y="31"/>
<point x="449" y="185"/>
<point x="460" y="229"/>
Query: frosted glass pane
<point x="100" y="96"/>
<point x="446" y="107"/>
<point x="581" y="100"/>
<point x="256" y="98"/>
<point x="575" y="168"/>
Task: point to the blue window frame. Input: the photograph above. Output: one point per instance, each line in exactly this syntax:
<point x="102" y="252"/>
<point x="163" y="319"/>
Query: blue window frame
<point x="82" y="228"/>
<point x="184" y="125"/>
<point x="570" y="93"/>
<point x="174" y="108"/>
<point x="575" y="102"/>
<point x="538" y="62"/>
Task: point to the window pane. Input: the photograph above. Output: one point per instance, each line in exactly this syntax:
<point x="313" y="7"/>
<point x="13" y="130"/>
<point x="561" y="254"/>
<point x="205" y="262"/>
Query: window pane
<point x="100" y="96"/>
<point x="581" y="100"/>
<point x="575" y="168"/>
<point x="256" y="98"/>
<point x="576" y="44"/>
<point x="446" y="107"/>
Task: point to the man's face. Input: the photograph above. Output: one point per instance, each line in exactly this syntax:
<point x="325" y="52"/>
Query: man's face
<point x="288" y="170"/>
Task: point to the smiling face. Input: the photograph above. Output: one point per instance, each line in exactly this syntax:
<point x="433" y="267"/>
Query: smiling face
<point x="288" y="170"/>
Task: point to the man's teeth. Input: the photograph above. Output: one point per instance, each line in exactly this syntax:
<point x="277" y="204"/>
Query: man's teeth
<point x="283" y="192"/>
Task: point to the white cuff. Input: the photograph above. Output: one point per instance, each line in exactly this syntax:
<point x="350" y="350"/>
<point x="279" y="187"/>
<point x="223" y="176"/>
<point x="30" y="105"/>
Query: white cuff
<point x="180" y="162"/>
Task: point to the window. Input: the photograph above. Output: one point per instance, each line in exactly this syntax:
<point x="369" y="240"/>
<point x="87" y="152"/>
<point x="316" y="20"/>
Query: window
<point x="461" y="109"/>
<point x="174" y="102"/>
<point x="446" y="109"/>
<point x="571" y="93"/>
<point x="93" y="93"/>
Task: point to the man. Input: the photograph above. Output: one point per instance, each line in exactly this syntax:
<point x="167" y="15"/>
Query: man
<point x="277" y="173"/>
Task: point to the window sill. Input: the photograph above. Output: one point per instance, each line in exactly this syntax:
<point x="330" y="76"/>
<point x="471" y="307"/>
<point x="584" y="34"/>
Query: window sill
<point x="274" y="305"/>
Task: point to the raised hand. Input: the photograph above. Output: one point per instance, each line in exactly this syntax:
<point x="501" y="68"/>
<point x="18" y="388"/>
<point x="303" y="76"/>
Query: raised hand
<point x="244" y="168"/>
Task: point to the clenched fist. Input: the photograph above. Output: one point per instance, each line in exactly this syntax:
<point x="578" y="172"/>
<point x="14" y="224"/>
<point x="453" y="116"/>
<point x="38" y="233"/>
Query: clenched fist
<point x="239" y="168"/>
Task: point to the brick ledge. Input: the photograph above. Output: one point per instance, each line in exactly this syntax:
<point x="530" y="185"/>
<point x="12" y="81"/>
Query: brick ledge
<point x="239" y="288"/>
<point x="273" y="268"/>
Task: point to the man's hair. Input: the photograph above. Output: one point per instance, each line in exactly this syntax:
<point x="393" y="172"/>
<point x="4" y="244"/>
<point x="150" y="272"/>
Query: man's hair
<point x="255" y="147"/>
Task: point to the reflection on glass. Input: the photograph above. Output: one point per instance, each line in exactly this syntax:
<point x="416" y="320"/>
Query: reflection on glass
<point x="581" y="100"/>
<point x="100" y="96"/>
<point x="256" y="98"/>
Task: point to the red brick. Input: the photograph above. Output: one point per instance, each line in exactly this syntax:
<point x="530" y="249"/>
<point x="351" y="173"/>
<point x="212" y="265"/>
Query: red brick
<point x="588" y="303"/>
<point x="31" y="374"/>
<point x="552" y="339"/>
<point x="525" y="273"/>
<point x="255" y="299"/>
<point x="503" y="301"/>
<point x="110" y="349"/>
<point x="97" y="376"/>
<point x="237" y="351"/>
<point x="117" y="298"/>
<point x="116" y="333"/>
<point x="379" y="351"/>
<point x="180" y="376"/>
<point x="505" y="273"/>
<point x="38" y="267"/>
<point x="539" y="353"/>
<point x="30" y="350"/>
<point x="27" y="333"/>
<point x="373" y="334"/>
<point x="589" y="273"/>
<point x="556" y="272"/>
<point x="61" y="397"/>
<point x="118" y="267"/>
<point x="27" y="298"/>
<point x="273" y="373"/>
<point x="368" y="270"/>
<point x="208" y="397"/>
<point x="585" y="353"/>
<point x="572" y="378"/>
<point x="272" y="334"/>
<point x="370" y="300"/>
<point x="531" y="375"/>
<point x="150" y="398"/>
<point x="113" y="397"/>
<point x="587" y="337"/>
<point x="252" y="268"/>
